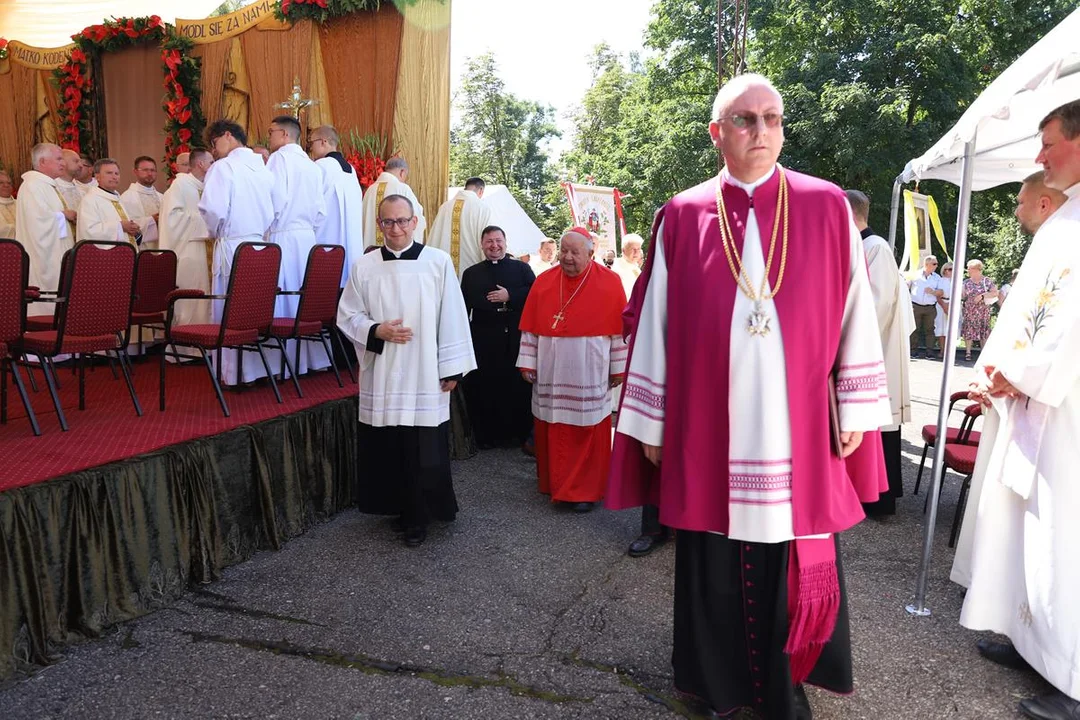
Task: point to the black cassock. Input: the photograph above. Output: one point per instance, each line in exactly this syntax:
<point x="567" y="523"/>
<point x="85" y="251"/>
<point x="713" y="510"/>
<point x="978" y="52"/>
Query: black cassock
<point x="499" y="400"/>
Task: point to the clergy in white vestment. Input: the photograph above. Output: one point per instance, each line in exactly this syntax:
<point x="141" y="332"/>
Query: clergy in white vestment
<point x="726" y="421"/>
<point x="628" y="265"/>
<point x="7" y="206"/>
<point x="183" y="231"/>
<point x="42" y="225"/>
<point x="344" y="223"/>
<point x="103" y="215"/>
<point x="84" y="178"/>
<point x="896" y="322"/>
<point x="1024" y="577"/>
<point x="183" y="164"/>
<point x="65" y="184"/>
<point x="237" y="206"/>
<point x="403" y="310"/>
<point x="392" y="181"/>
<point x="460" y="223"/>
<point x="546" y="259"/>
<point x="144" y="201"/>
<point x="300" y="206"/>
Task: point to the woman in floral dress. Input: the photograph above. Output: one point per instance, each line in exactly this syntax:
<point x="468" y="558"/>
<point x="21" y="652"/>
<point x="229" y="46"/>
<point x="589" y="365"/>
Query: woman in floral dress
<point x="975" y="324"/>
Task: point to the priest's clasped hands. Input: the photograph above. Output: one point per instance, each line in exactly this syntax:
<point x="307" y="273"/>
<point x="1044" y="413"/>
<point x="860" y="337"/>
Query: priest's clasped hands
<point x="992" y="385"/>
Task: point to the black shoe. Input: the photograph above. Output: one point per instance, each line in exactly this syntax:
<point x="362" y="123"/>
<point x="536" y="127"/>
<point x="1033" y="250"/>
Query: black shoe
<point x="802" y="705"/>
<point x="1055" y="706"/>
<point x="397" y="525"/>
<point x="1002" y="653"/>
<point x="415" y="537"/>
<point x="645" y="545"/>
<point x="583" y="507"/>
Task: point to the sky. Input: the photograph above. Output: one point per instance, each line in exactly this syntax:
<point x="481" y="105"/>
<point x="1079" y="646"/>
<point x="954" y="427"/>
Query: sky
<point x="542" y="49"/>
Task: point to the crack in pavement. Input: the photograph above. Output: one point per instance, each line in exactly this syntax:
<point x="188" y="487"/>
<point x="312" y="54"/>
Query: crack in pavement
<point x="375" y="666"/>
<point x="682" y="708"/>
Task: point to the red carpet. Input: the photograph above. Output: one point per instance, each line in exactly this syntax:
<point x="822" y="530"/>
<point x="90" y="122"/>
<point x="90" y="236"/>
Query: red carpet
<point x="108" y="430"/>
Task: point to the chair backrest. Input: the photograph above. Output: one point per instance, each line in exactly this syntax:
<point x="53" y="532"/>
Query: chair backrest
<point x="253" y="287"/>
<point x="155" y="278"/>
<point x="14" y="272"/>
<point x="322" y="281"/>
<point x="98" y="288"/>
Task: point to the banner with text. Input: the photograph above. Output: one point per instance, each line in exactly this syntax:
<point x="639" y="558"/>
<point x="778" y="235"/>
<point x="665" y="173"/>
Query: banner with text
<point x="226" y="26"/>
<point x="38" y="58"/>
<point x="593" y="208"/>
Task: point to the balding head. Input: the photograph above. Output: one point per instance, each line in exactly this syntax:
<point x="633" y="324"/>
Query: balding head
<point x="397" y="166"/>
<point x="747" y="126"/>
<point x="631" y="248"/>
<point x="71" y="164"/>
<point x="1036" y="202"/>
<point x="183" y="163"/>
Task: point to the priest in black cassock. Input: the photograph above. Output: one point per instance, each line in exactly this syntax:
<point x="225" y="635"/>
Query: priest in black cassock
<point x="499" y="400"/>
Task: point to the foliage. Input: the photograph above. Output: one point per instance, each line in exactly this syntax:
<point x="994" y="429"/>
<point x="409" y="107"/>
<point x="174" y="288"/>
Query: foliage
<point x="3" y="49"/>
<point x="502" y="139"/>
<point x="322" y="10"/>
<point x="181" y="103"/>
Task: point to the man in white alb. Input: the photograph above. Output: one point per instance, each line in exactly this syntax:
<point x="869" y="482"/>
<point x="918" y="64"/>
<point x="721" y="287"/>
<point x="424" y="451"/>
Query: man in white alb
<point x="7" y="206"/>
<point x="144" y="200"/>
<point x="183" y="163"/>
<point x="344" y="223"/>
<point x="65" y="184"/>
<point x="547" y="258"/>
<point x="84" y="179"/>
<point x="103" y="214"/>
<point x="392" y="181"/>
<point x="42" y="224"/>
<point x="459" y="224"/>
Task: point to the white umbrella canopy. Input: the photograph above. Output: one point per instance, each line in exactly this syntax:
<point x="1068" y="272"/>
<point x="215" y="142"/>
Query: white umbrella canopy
<point x="1004" y="119"/>
<point x="51" y="23"/>
<point x="523" y="236"/>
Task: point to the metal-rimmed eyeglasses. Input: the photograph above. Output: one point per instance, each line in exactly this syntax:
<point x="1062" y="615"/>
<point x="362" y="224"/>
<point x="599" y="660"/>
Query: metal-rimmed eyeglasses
<point x="745" y="121"/>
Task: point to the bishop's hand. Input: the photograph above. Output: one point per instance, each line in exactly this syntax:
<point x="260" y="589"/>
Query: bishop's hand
<point x="393" y="332"/>
<point x="849" y="442"/>
<point x="652" y="453"/>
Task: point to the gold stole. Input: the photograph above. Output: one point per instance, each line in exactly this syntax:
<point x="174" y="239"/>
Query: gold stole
<point x="8" y="215"/>
<point x="63" y="204"/>
<point x="455" y="233"/>
<point x="123" y="217"/>
<point x="379" y="193"/>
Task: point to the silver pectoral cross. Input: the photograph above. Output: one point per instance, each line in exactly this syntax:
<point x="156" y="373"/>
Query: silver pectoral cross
<point x="758" y="322"/>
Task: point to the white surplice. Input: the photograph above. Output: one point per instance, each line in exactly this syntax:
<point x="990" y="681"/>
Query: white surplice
<point x="41" y="228"/>
<point x="100" y="217"/>
<point x="344" y="223"/>
<point x="301" y="207"/>
<point x="896" y="321"/>
<point x="237" y="206"/>
<point x="400" y="386"/>
<point x="457" y="229"/>
<point x="759" y="441"/>
<point x="70" y="193"/>
<point x="628" y="272"/>
<point x="1020" y="535"/>
<point x="142" y="203"/>
<point x="386" y="185"/>
<point x="183" y="231"/>
<point x="538" y="264"/>
<point x="7" y="218"/>
<point x="86" y="187"/>
<point x="590" y="361"/>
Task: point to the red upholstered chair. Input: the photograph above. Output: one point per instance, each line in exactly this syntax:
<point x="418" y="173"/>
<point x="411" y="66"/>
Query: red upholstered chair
<point x="245" y="318"/>
<point x="317" y="313"/>
<point x="960" y="459"/>
<point x="91" y="315"/>
<point x="963" y="435"/>
<point x="35" y="323"/>
<point x="155" y="279"/>
<point x="14" y="272"/>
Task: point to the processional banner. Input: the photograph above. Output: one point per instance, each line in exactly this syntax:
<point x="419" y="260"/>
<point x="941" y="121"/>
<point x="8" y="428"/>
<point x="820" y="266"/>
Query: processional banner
<point x="920" y="220"/>
<point x="598" y="210"/>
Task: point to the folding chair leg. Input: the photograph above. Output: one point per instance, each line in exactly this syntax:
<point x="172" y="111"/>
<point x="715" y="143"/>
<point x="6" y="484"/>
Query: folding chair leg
<point x="296" y="364"/>
<point x="291" y="368"/>
<point x="336" y="335"/>
<point x="215" y="379"/>
<point x="161" y="379"/>
<point x="25" y="398"/>
<point x="269" y="373"/>
<point x="130" y="386"/>
<point x="3" y="390"/>
<point x="30" y="372"/>
<point x="240" y="366"/>
<point x="112" y="367"/>
<point x="80" y="360"/>
<point x="49" y="370"/>
<point x="330" y="354"/>
<point x="922" y="463"/>
<point x="958" y="518"/>
<point x="139" y="328"/>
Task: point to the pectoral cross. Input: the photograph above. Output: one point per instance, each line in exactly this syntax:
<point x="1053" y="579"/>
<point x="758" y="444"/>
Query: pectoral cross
<point x="559" y="317"/>
<point x="758" y="322"/>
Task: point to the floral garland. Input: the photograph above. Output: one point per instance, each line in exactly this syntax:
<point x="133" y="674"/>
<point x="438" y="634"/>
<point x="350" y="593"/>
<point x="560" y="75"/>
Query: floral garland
<point x="321" y="10"/>
<point x="3" y="49"/>
<point x="181" y="103"/>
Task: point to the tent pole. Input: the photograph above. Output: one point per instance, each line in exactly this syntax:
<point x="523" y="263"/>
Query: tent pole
<point x="919" y="608"/>
<point x="894" y="211"/>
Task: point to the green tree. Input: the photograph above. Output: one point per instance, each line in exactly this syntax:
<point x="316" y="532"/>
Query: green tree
<point x="503" y="139"/>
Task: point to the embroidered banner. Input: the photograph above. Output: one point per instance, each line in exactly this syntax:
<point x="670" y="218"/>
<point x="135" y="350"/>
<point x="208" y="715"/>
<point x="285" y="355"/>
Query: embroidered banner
<point x="593" y="208"/>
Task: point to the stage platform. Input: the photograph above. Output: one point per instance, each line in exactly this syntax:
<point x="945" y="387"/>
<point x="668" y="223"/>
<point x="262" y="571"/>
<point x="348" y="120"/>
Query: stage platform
<point x="115" y="517"/>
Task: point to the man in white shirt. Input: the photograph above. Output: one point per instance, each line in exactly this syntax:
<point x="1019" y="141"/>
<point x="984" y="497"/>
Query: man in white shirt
<point x="144" y="199"/>
<point x="926" y="288"/>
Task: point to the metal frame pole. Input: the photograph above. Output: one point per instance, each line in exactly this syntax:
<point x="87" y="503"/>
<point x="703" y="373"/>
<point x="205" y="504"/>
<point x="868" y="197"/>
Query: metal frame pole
<point x="894" y="211"/>
<point x="918" y="608"/>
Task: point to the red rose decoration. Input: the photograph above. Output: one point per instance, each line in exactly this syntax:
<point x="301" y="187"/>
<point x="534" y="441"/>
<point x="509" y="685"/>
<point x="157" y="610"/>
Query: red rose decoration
<point x="184" y="135"/>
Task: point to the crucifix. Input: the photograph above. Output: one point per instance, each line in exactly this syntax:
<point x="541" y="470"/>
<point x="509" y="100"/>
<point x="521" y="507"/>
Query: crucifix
<point x="296" y="101"/>
<point x="559" y="317"/>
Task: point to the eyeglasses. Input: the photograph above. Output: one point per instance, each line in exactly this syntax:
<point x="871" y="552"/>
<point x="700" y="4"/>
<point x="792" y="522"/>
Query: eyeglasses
<point x="389" y="223"/>
<point x="745" y="121"/>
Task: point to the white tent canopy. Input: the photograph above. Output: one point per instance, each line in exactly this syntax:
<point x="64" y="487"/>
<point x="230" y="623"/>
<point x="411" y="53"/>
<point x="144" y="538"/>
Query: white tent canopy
<point x="1004" y="120"/>
<point x="51" y="23"/>
<point x="523" y="236"/>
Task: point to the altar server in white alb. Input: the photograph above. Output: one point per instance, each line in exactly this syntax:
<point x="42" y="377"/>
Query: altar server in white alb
<point x="42" y="225"/>
<point x="237" y="206"/>
<point x="144" y="200"/>
<point x="459" y="225"/>
<point x="392" y="181"/>
<point x="7" y="206"/>
<point x="404" y="312"/>
<point x="102" y="214"/>
<point x="184" y="232"/>
<point x="344" y="223"/>
<point x="1025" y="578"/>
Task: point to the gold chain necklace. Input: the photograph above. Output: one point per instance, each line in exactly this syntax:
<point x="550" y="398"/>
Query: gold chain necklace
<point x="758" y="322"/>
<point x="559" y="316"/>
